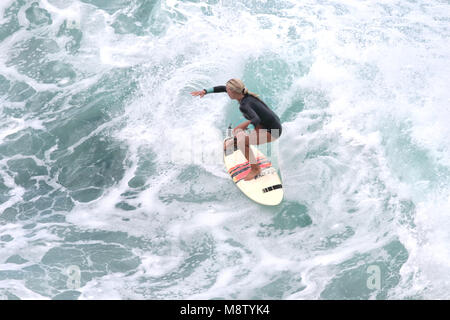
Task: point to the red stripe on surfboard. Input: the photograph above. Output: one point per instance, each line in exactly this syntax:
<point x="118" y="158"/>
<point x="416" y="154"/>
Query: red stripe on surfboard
<point x="244" y="164"/>
<point x="246" y="167"/>
<point x="240" y="176"/>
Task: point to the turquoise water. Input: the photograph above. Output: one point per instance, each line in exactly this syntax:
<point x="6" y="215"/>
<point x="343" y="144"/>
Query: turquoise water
<point x="111" y="178"/>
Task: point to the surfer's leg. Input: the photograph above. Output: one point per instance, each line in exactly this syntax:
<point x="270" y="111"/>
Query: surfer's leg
<point x="244" y="141"/>
<point x="262" y="135"/>
<point x="257" y="137"/>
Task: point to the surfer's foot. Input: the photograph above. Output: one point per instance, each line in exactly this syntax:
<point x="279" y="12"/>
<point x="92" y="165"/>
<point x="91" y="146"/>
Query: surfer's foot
<point x="253" y="172"/>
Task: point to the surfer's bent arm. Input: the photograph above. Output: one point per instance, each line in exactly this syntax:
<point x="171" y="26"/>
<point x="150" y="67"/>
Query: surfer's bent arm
<point x="241" y="126"/>
<point x="250" y="114"/>
<point x="215" y="89"/>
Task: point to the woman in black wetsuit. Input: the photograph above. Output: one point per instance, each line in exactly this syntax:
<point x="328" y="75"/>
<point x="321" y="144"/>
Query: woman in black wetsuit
<point x="267" y="124"/>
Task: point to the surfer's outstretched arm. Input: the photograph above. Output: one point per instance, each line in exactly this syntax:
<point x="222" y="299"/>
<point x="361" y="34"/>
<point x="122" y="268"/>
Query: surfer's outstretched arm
<point x="210" y="90"/>
<point x="215" y="89"/>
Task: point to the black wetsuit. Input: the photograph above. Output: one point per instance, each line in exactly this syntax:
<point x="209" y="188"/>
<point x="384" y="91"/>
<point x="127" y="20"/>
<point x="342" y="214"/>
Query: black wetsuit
<point x="256" y="111"/>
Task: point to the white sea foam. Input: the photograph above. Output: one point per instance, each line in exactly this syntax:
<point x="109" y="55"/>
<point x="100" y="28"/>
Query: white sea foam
<point x="366" y="84"/>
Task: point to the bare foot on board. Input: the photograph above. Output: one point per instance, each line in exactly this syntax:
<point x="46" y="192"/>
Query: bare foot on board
<point x="254" y="172"/>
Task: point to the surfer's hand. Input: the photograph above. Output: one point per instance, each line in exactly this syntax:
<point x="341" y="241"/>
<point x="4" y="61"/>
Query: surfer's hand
<point x="241" y="126"/>
<point x="237" y="130"/>
<point x="227" y="144"/>
<point x="198" y="93"/>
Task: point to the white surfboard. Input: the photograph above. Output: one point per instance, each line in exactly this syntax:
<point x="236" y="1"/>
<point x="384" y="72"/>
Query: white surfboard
<point x="265" y="188"/>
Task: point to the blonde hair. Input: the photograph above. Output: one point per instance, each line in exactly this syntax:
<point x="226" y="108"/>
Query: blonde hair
<point x="237" y="86"/>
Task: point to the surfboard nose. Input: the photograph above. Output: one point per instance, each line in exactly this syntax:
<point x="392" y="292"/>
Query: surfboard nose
<point x="268" y="196"/>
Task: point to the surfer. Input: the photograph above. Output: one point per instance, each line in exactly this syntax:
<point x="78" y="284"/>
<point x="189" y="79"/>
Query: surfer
<point x="267" y="124"/>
